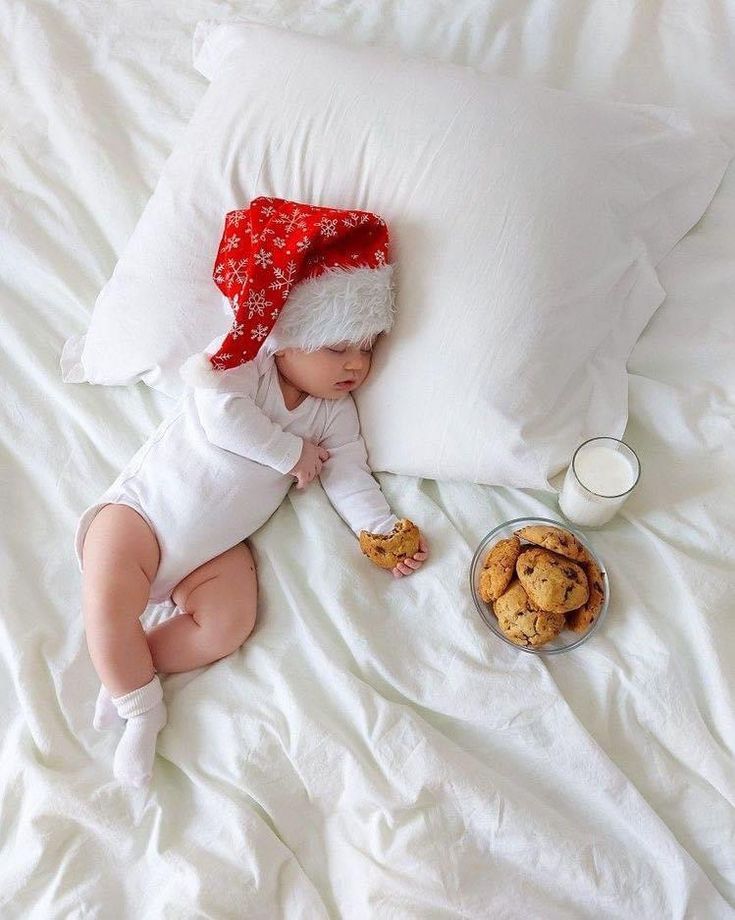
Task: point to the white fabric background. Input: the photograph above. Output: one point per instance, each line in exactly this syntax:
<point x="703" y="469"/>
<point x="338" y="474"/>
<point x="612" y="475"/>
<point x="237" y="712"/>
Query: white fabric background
<point x="371" y="752"/>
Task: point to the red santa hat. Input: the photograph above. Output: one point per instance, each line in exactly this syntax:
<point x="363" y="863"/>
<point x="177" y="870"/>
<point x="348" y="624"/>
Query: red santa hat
<point x="300" y="276"/>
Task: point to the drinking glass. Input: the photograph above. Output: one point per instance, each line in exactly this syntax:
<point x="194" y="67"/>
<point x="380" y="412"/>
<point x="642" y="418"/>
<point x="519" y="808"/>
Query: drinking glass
<point x="602" y="474"/>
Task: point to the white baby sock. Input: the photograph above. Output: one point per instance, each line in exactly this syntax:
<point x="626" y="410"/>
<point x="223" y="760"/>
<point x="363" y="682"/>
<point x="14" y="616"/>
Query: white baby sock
<point x="145" y="713"/>
<point x="105" y="713"/>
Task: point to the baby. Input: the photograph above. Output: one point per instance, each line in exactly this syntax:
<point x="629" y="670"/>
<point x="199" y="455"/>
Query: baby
<point x="172" y="525"/>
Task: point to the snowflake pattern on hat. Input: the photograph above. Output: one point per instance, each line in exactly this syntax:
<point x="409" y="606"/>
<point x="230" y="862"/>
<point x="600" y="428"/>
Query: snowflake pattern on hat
<point x="272" y="246"/>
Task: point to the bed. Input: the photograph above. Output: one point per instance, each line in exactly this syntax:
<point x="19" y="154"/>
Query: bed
<point x="372" y="751"/>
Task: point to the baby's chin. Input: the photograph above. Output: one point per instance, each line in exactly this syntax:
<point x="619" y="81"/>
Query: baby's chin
<point x="333" y="392"/>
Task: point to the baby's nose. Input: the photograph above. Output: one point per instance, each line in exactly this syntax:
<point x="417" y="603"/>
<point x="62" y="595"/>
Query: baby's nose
<point x="355" y="363"/>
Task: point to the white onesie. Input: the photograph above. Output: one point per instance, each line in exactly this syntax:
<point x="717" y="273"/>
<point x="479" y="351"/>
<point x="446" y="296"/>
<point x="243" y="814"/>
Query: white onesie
<point x="217" y="469"/>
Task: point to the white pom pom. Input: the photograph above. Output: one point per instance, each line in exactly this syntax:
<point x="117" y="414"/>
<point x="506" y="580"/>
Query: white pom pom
<point x="198" y="371"/>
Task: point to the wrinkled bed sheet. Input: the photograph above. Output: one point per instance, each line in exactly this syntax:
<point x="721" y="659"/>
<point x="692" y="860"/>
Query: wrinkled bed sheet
<point x="372" y="751"/>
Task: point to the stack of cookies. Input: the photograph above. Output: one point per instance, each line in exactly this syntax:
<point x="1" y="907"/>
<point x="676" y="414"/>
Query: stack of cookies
<point x="541" y="586"/>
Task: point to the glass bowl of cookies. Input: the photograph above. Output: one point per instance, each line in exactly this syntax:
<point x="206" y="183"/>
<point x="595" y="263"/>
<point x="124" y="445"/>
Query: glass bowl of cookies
<point x="539" y="586"/>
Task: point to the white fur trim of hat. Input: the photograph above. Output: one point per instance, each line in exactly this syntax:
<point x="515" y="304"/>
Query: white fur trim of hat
<point x="339" y="306"/>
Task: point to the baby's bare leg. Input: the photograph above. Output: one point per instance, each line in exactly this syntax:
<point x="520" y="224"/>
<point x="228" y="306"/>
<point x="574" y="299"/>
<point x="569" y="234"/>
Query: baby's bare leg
<point x="218" y="602"/>
<point x="119" y="561"/>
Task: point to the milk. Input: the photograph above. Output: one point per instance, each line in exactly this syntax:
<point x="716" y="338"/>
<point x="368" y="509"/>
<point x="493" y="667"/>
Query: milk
<point x="602" y="474"/>
<point x="604" y="471"/>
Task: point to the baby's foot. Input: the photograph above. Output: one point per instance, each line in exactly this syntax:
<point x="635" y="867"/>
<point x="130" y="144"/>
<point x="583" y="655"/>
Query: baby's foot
<point x="137" y="748"/>
<point x="145" y="715"/>
<point x="105" y="714"/>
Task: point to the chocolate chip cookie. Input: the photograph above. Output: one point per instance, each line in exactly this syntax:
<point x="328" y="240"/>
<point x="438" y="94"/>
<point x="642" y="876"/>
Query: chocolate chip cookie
<point x="555" y="539"/>
<point x="552" y="582"/>
<point x="581" y="619"/>
<point x="521" y="621"/>
<point x="498" y="569"/>
<point x="387" y="550"/>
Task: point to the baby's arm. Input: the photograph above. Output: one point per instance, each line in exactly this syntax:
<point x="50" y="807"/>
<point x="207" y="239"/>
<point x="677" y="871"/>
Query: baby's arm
<point x="351" y="487"/>
<point x="232" y="420"/>
<point x="346" y="477"/>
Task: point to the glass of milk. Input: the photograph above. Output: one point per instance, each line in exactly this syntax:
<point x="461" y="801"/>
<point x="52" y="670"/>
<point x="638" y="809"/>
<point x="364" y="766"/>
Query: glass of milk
<point x="602" y="474"/>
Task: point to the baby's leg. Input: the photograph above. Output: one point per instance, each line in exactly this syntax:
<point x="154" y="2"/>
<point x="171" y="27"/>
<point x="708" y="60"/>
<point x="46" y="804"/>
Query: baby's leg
<point x="119" y="561"/>
<point x="218" y="602"/>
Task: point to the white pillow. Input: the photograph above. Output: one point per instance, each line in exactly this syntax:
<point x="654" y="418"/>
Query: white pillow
<point x="526" y="225"/>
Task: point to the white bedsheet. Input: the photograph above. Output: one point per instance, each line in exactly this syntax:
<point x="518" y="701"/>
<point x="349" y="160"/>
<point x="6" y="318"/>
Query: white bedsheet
<point x="371" y="752"/>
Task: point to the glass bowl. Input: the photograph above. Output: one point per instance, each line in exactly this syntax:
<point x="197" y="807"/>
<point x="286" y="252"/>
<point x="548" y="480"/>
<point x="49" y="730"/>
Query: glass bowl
<point x="566" y="640"/>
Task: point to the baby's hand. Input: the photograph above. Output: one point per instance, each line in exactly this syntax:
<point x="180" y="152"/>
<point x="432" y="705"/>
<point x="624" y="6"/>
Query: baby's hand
<point x="412" y="563"/>
<point x="309" y="464"/>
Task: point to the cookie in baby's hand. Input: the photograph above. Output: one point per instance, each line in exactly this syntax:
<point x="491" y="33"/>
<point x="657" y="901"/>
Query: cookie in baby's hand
<point x="387" y="550"/>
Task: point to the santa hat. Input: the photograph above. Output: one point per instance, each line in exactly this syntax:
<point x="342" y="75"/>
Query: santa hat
<point x="299" y="276"/>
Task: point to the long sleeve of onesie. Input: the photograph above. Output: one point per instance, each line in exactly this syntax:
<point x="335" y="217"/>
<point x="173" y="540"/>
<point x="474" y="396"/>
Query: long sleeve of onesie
<point x="232" y="420"/>
<point x="346" y="477"/>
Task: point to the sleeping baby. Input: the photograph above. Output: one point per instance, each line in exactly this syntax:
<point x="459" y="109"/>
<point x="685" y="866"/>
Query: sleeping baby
<point x="310" y="289"/>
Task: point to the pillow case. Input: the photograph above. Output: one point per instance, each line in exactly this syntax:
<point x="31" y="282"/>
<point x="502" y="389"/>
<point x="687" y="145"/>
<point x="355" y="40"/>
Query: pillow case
<point x="526" y="225"/>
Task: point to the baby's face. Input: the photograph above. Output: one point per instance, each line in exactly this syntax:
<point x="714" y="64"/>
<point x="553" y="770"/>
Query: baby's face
<point x="329" y="373"/>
